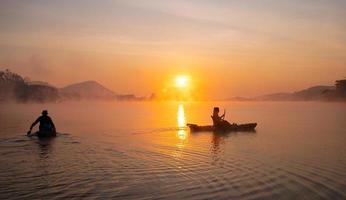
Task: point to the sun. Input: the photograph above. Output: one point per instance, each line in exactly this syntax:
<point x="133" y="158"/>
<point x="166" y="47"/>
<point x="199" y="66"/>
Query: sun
<point x="182" y="81"/>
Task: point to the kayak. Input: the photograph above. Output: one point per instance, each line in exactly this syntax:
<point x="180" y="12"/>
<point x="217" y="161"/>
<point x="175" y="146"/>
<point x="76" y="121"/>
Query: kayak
<point x="231" y="128"/>
<point x="45" y="134"/>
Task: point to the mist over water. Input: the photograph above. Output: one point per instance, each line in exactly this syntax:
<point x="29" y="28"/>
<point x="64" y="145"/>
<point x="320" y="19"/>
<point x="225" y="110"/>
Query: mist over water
<point x="142" y="150"/>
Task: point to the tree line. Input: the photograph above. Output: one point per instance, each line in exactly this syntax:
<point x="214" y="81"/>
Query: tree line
<point x="14" y="87"/>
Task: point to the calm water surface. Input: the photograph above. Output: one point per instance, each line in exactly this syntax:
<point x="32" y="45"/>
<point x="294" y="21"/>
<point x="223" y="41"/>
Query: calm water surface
<point x="144" y="151"/>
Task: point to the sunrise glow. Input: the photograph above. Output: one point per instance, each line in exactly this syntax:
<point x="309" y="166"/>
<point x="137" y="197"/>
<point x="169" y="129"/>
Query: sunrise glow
<point x="182" y="81"/>
<point x="163" y="99"/>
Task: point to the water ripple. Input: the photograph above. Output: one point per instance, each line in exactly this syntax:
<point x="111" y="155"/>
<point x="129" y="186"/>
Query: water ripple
<point x="70" y="167"/>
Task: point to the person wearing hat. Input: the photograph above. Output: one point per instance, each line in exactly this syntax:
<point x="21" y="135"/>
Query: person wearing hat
<point x="46" y="123"/>
<point x="219" y="121"/>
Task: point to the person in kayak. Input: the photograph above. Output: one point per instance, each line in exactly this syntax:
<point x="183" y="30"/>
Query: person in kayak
<point x="46" y="123"/>
<point x="219" y="121"/>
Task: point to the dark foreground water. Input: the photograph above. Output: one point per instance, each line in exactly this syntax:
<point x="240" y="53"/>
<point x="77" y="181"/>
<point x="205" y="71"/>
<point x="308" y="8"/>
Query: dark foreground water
<point x="138" y="151"/>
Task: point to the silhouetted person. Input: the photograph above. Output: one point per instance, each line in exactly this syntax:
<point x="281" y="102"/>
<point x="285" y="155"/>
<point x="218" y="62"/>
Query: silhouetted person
<point x="46" y="123"/>
<point x="219" y="121"/>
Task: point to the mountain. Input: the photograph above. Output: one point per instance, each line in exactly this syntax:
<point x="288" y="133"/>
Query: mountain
<point x="86" y="90"/>
<point x="14" y="87"/>
<point x="309" y="94"/>
<point x="315" y="93"/>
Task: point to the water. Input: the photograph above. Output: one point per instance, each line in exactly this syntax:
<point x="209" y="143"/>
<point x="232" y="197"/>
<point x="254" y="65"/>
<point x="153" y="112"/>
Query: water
<point x="143" y="151"/>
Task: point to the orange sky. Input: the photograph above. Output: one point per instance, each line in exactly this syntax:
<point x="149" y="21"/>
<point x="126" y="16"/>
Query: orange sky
<point x="229" y="48"/>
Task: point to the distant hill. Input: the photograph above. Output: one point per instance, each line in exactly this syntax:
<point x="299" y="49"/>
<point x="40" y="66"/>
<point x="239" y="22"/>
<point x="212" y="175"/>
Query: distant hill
<point x="312" y="93"/>
<point x="86" y="90"/>
<point x="315" y="93"/>
<point x="14" y="87"/>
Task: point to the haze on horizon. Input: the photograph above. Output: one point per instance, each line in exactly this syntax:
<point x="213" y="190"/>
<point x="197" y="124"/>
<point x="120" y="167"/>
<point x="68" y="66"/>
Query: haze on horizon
<point x="228" y="48"/>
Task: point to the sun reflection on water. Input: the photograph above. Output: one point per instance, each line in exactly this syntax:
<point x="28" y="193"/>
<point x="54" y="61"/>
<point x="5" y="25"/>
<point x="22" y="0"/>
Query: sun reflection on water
<point x="182" y="134"/>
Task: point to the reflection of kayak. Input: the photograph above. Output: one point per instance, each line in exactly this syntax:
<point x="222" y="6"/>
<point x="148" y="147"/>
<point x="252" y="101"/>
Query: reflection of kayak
<point x="230" y="128"/>
<point x="42" y="134"/>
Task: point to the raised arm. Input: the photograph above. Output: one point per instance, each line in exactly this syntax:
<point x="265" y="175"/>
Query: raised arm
<point x="224" y="114"/>
<point x="35" y="122"/>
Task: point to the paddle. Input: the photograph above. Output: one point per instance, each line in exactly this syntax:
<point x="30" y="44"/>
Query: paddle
<point x="224" y="114"/>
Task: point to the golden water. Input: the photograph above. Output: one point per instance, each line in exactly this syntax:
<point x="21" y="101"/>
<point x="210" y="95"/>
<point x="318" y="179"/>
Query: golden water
<point x="144" y="151"/>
